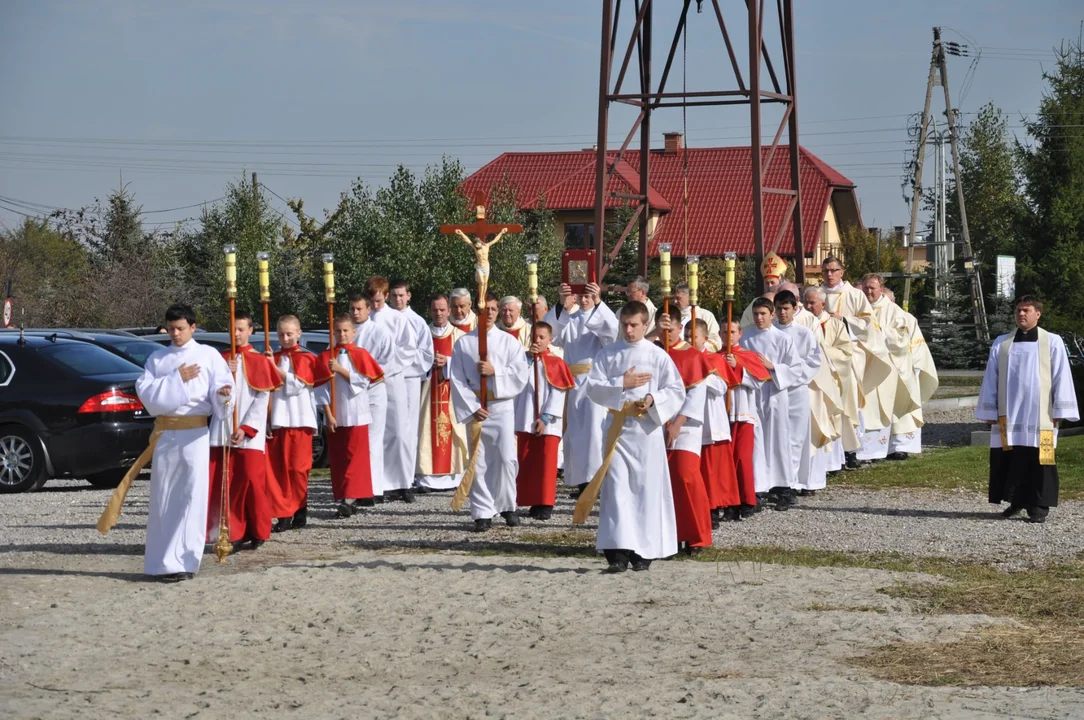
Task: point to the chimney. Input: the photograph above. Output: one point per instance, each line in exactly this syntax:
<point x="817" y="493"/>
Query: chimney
<point x="672" y="143"/>
<point x="874" y="231"/>
<point x="897" y="232"/>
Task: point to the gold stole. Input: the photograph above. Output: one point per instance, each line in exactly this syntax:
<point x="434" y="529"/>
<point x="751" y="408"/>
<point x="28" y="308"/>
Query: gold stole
<point x="1046" y="422"/>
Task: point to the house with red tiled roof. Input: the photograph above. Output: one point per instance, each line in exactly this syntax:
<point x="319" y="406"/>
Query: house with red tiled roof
<point x="719" y="208"/>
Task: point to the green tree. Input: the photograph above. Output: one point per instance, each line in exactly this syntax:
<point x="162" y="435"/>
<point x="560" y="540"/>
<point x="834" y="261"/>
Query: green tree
<point x="245" y="219"/>
<point x="866" y="252"/>
<point x="1051" y="251"/>
<point x="49" y="272"/>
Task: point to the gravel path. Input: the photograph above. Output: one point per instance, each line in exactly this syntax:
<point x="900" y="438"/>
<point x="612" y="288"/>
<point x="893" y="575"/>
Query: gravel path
<point x="950" y="427"/>
<point x="55" y="527"/>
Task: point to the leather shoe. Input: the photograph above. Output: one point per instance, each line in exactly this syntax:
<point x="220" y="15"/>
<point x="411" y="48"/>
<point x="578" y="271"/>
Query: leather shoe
<point x="511" y="519"/>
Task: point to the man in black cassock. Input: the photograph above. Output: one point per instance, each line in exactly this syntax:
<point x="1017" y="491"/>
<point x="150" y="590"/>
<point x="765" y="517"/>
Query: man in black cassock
<point x="1027" y="392"/>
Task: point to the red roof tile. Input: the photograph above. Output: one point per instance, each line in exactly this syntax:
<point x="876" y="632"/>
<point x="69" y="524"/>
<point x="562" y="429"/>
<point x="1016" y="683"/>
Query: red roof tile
<point x="720" y="206"/>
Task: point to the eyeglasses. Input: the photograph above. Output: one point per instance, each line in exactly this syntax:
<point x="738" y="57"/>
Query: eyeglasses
<point x="833" y="270"/>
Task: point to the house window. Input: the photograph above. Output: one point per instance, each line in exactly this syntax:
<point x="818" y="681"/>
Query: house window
<point x="579" y="236"/>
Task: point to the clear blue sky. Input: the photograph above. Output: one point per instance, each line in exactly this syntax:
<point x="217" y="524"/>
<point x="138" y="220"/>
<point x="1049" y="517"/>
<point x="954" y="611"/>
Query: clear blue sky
<point x="313" y="94"/>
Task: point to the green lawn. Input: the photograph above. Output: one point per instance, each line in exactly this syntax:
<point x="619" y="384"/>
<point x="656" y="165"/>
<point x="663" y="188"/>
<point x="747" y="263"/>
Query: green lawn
<point x="963" y="467"/>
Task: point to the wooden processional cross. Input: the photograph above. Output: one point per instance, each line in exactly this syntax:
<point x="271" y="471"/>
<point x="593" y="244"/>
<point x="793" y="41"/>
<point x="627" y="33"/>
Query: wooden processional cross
<point x="481" y="230"/>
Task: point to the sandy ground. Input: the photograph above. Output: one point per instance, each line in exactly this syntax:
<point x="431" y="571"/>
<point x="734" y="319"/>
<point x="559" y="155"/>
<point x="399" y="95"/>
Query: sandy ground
<point x="314" y="626"/>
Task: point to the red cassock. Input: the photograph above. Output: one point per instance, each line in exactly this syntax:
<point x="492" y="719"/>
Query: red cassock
<point x="692" y="508"/>
<point x="289" y="449"/>
<point x="717" y="459"/>
<point x="250" y="506"/>
<point x="741" y="433"/>
<point x="348" y="446"/>
<point x="536" y="483"/>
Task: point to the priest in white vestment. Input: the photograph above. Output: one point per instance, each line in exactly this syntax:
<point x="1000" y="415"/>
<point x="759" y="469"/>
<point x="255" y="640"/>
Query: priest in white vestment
<point x="582" y="329"/>
<point x="870" y="363"/>
<point x="906" y="437"/>
<point x="183" y="383"/>
<point x="838" y="349"/>
<point x="778" y="475"/>
<point x="491" y="431"/>
<point x="399" y="449"/>
<point x="640" y="387"/>
<point x="511" y="320"/>
<point x="378" y="342"/>
<point x="681" y="299"/>
<point x="898" y="395"/>
<point x="637" y="290"/>
<point x="461" y="314"/>
<point x="1027" y="392"/>
<point x="442" y="440"/>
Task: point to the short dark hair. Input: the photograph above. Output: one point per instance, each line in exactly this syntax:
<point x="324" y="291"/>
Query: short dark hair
<point x="701" y="326"/>
<point x="244" y="315"/>
<point x="344" y="318"/>
<point x="490" y="297"/>
<point x="543" y="325"/>
<point x="785" y="297"/>
<point x="1029" y="300"/>
<point x="761" y="302"/>
<point x="399" y="283"/>
<point x="359" y="297"/>
<point x="440" y="296"/>
<point x="675" y="313"/>
<point x="634" y="307"/>
<point x="180" y="312"/>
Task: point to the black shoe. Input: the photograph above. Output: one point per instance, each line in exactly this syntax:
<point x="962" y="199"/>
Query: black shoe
<point x="747" y="511"/>
<point x="344" y="509"/>
<point x="174" y="577"/>
<point x="378" y="500"/>
<point x="421" y="490"/>
<point x="283" y="524"/>
<point x="408" y="496"/>
<point x="575" y="494"/>
<point x="690" y="550"/>
<point x="730" y="514"/>
<point x="365" y="502"/>
<point x="255" y="544"/>
<point x="641" y="565"/>
<point x="301" y="519"/>
<point x="545" y="512"/>
<point x="511" y="519"/>
<point x="807" y="493"/>
<point x="481" y="525"/>
<point x="617" y="567"/>
<point x="237" y="546"/>
<point x="1037" y="515"/>
<point x="1012" y="511"/>
<point x="533" y="512"/>
<point x="897" y="456"/>
<point x="715" y="519"/>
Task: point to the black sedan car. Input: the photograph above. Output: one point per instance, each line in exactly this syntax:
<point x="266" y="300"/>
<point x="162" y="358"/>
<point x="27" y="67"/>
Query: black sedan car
<point x="68" y="408"/>
<point x="130" y="347"/>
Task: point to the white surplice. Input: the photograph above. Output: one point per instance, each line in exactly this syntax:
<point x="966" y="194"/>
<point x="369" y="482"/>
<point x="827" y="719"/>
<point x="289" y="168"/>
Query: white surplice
<point x="177" y="511"/>
<point x="1022" y="394"/>
<point x="414" y="374"/>
<point x="809" y="350"/>
<point x="716" y="423"/>
<point x="252" y="411"/>
<point x="581" y="334"/>
<point x="774" y="432"/>
<point x="494" y="488"/>
<point x="378" y="342"/>
<point x="293" y="405"/>
<point x="398" y="472"/>
<point x="636" y="510"/>
<point x="551" y="401"/>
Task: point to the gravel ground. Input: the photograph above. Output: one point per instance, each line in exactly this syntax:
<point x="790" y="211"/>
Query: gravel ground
<point x="56" y="528"/>
<point x="950" y="427"/>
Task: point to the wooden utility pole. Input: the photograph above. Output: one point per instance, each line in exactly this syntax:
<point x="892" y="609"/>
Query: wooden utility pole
<point x="939" y="75"/>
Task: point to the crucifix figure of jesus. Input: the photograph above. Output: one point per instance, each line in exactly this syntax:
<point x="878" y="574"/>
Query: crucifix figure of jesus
<point x="481" y="230"/>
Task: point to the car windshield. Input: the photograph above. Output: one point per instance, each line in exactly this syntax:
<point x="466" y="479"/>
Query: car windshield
<point x="87" y="359"/>
<point x="139" y="350"/>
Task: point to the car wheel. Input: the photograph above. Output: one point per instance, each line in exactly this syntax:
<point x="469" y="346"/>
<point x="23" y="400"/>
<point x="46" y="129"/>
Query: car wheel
<point x="107" y="478"/>
<point x="22" y="462"/>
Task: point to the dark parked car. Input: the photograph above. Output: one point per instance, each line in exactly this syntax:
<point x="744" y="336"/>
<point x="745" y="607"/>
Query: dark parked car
<point x="130" y="347"/>
<point x="68" y="408"/>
